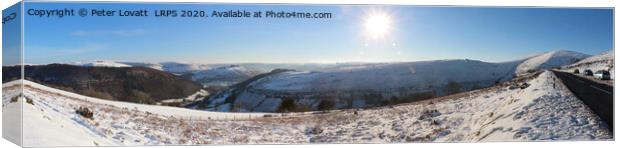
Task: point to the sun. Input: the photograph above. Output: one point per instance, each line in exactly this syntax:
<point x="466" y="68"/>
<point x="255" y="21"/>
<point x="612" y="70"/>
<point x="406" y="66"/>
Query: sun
<point x="378" y="25"/>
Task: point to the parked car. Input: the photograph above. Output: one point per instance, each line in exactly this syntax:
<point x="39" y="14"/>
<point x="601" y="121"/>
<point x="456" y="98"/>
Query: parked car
<point x="576" y="71"/>
<point x="602" y="74"/>
<point x="587" y="72"/>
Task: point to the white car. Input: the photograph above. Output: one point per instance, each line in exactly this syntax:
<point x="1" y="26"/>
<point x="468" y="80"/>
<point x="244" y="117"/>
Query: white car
<point x="602" y="74"/>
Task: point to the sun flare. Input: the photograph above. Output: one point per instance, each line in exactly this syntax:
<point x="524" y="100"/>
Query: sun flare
<point x="378" y="25"/>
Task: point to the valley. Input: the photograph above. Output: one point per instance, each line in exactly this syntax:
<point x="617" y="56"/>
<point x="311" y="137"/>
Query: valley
<point x="545" y="110"/>
<point x="427" y="101"/>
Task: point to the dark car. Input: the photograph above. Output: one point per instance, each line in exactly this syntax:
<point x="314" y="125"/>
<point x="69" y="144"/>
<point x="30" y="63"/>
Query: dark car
<point x="576" y="71"/>
<point x="588" y="72"/>
<point x="602" y="74"/>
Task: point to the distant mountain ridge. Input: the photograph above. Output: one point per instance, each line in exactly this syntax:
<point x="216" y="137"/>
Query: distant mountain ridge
<point x="172" y="67"/>
<point x="240" y="88"/>
<point x="131" y="84"/>
<point x="366" y="85"/>
<point x="216" y="76"/>
<point x="223" y="76"/>
<point x="549" y="60"/>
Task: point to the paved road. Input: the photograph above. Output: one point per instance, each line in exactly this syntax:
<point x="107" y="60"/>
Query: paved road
<point x="599" y="97"/>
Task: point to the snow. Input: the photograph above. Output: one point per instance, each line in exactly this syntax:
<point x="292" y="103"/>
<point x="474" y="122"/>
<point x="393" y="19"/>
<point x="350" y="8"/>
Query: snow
<point x="223" y="76"/>
<point x="350" y="83"/>
<point x="602" y="61"/>
<point x="549" y="60"/>
<point x="389" y="76"/>
<point x="226" y="70"/>
<point x="539" y="112"/>
<point x="11" y="114"/>
<point x="346" y="85"/>
<point x="42" y="128"/>
<point x="604" y="56"/>
<point x="156" y="66"/>
<point x="101" y="63"/>
<point x="182" y="67"/>
<point x="193" y="97"/>
<point x="545" y="110"/>
<point x="205" y="74"/>
<point x="162" y="110"/>
<point x="172" y="67"/>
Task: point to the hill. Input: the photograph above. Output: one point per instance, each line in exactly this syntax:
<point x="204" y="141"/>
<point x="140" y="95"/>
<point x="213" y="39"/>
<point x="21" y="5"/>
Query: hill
<point x="365" y="85"/>
<point x="132" y="84"/>
<point x="549" y="60"/>
<point x="602" y="61"/>
<point x="541" y="112"/>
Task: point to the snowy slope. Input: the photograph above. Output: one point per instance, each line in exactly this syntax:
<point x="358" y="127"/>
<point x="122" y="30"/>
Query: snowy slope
<point x="51" y="119"/>
<point x="372" y="84"/>
<point x="182" y="67"/>
<point x="223" y="76"/>
<point x="546" y="110"/>
<point x="543" y="111"/>
<point x="172" y="67"/>
<point x="191" y="98"/>
<point x="267" y="67"/>
<point x="101" y="63"/>
<point x="604" y="56"/>
<point x="550" y="59"/>
<point x="163" y="110"/>
<point x="602" y="61"/>
<point x="145" y="64"/>
<point x="351" y="86"/>
<point x="386" y="76"/>
<point x="11" y="112"/>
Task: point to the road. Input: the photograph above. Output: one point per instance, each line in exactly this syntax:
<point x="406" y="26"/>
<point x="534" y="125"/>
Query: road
<point x="599" y="97"/>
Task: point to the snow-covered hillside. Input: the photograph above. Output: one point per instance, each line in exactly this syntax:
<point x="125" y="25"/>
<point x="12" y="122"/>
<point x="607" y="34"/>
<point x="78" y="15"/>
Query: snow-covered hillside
<point x="604" y="56"/>
<point x="11" y="112"/>
<point x="355" y="85"/>
<point x="183" y="67"/>
<point x="145" y="64"/>
<point x="223" y="76"/>
<point x="602" y="61"/>
<point x="549" y="60"/>
<point x="52" y="112"/>
<point x="546" y="110"/>
<point x="217" y="75"/>
<point x="198" y="96"/>
<point x="101" y="63"/>
<point x="388" y="76"/>
<point x="172" y="67"/>
<point x="363" y="85"/>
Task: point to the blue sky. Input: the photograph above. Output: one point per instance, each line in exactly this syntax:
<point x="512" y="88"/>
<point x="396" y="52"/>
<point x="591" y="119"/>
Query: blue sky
<point x="416" y="34"/>
<point x="11" y="37"/>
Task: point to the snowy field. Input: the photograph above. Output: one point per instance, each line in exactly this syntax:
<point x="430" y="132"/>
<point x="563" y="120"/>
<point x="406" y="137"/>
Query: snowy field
<point x="546" y="110"/>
